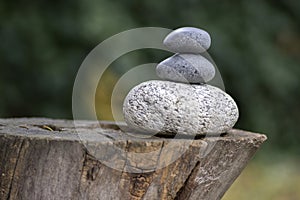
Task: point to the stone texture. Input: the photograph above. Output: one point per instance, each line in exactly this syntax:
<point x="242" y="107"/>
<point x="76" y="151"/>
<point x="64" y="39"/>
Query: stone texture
<point x="192" y="68"/>
<point x="188" y="40"/>
<point x="170" y="108"/>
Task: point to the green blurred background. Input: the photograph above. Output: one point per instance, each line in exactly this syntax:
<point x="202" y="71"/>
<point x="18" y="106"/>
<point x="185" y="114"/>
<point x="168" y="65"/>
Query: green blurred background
<point x="255" y="44"/>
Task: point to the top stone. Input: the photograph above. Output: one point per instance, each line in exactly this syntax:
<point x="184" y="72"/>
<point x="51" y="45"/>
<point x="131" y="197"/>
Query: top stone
<point x="187" y="40"/>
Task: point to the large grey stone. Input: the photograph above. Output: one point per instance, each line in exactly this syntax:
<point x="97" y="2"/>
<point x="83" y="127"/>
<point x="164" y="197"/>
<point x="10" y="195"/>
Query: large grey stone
<point x="171" y="108"/>
<point x="192" y="68"/>
<point x="188" y="40"/>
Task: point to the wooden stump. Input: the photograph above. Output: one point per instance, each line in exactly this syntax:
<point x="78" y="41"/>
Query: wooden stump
<point x="50" y="159"/>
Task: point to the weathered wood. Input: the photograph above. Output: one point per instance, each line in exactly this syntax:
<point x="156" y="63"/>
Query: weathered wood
<point x="48" y="159"/>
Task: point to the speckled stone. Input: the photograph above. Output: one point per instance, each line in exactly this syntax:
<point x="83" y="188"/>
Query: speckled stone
<point x="188" y="40"/>
<point x="192" y="68"/>
<point x="171" y="108"/>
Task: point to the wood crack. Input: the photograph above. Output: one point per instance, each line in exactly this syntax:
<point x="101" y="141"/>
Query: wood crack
<point x="185" y="184"/>
<point x="15" y="167"/>
<point x="82" y="169"/>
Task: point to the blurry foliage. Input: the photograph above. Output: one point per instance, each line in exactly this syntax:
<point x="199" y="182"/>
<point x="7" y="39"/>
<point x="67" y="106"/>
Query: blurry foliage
<point x="256" y="45"/>
<point x="267" y="180"/>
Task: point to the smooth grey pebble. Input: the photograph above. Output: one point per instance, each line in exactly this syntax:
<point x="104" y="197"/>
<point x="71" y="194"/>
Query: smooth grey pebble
<point x="187" y="40"/>
<point x="191" y="68"/>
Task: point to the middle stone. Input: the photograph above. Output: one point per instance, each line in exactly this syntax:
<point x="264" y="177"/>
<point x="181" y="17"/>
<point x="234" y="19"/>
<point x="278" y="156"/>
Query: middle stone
<point x="186" y="68"/>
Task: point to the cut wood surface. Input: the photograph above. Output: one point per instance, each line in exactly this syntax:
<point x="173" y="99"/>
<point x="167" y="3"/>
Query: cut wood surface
<point x="51" y="159"/>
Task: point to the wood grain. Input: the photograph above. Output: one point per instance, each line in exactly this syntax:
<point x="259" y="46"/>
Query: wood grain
<point x="50" y="159"/>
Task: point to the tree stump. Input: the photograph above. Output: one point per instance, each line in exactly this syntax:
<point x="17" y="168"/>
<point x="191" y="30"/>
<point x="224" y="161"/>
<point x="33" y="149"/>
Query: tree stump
<point x="48" y="159"/>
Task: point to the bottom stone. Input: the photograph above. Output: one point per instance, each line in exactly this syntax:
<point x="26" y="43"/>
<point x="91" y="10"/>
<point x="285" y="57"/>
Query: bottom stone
<point x="170" y="108"/>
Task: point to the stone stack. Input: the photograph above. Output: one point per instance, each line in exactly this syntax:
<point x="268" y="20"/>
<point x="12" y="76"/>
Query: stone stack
<point x="187" y="65"/>
<point x="183" y="103"/>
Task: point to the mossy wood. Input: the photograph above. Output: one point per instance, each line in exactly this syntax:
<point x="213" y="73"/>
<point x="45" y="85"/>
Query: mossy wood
<point x="46" y="159"/>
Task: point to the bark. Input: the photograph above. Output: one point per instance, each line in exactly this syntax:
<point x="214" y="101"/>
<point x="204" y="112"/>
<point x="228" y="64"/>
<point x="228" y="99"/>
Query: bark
<point x="50" y="159"/>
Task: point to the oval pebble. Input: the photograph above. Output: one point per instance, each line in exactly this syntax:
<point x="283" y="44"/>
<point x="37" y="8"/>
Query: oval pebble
<point x="187" y="40"/>
<point x="192" y="68"/>
<point x="171" y="108"/>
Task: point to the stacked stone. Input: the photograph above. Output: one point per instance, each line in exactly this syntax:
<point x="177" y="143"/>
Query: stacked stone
<point x="187" y="65"/>
<point x="182" y="103"/>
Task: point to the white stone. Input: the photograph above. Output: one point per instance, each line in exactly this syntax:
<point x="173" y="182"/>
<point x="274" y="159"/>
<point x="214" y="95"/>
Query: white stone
<point x="171" y="108"/>
<point x="191" y="68"/>
<point x="187" y="40"/>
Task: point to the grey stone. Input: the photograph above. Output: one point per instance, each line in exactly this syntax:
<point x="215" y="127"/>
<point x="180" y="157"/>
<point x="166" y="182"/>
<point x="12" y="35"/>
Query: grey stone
<point x="171" y="108"/>
<point x="188" y="40"/>
<point x="192" y="68"/>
